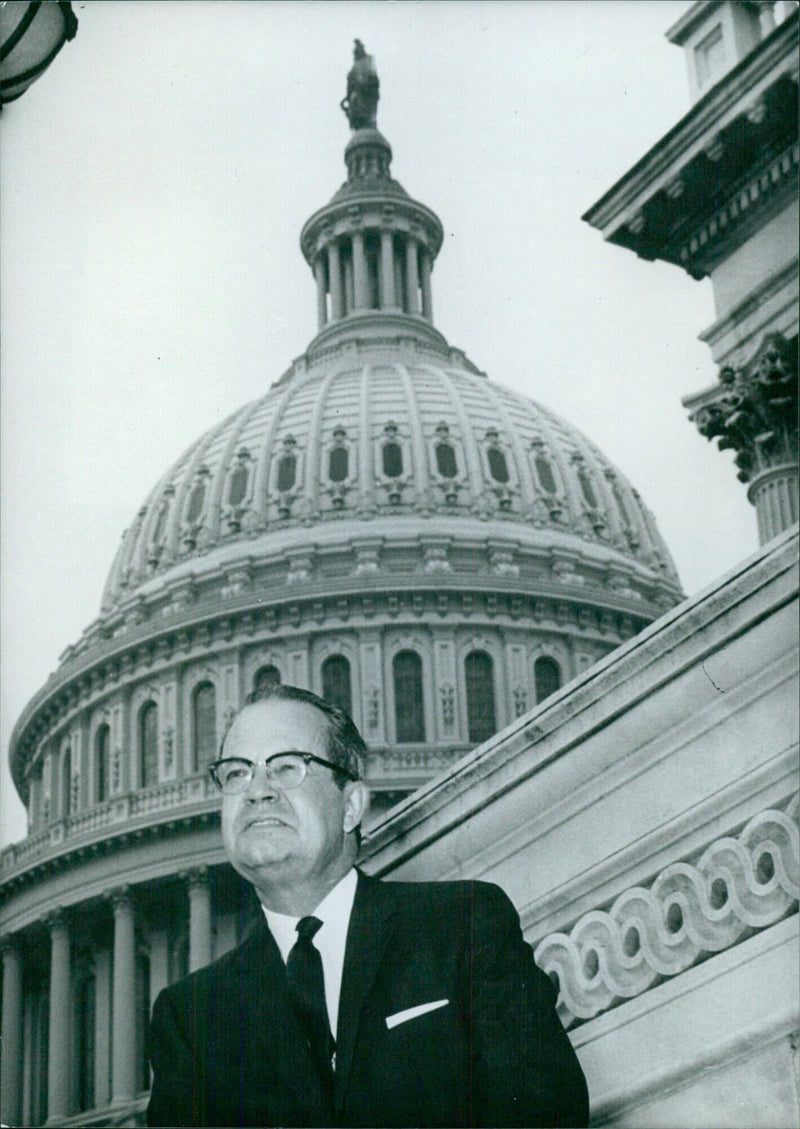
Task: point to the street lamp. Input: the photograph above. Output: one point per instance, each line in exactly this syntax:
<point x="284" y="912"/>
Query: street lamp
<point x="31" y="35"/>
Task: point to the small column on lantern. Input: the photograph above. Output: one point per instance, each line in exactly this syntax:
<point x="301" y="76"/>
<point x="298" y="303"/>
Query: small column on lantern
<point x="320" y="276"/>
<point x="425" y="283"/>
<point x="335" y="281"/>
<point x="389" y="300"/>
<point x="360" y="271"/>
<point x="412" y="276"/>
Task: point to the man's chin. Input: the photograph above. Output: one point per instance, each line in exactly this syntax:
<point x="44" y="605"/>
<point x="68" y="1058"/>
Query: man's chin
<point x="259" y="847"/>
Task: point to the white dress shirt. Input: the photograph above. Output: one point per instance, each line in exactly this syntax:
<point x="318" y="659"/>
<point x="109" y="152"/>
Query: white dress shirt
<point x="334" y="912"/>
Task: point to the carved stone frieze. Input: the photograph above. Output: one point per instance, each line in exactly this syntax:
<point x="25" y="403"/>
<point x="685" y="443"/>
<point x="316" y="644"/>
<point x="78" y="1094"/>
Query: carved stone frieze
<point x="690" y="911"/>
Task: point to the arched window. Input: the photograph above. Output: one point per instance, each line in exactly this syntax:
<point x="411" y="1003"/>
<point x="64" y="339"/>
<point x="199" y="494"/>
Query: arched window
<point x="338" y="460"/>
<point x="446" y="460"/>
<point x="204" y="725"/>
<point x="237" y="490"/>
<point x="587" y="489"/>
<point x="102" y="763"/>
<point x="392" y="459"/>
<point x="148" y="745"/>
<point x="66" y="781"/>
<point x="547" y="675"/>
<point x="84" y="1038"/>
<point x="409" y="708"/>
<point x="196" y="500"/>
<point x="545" y="473"/>
<point x="336" y="682"/>
<point x="498" y="468"/>
<point x="479" y="678"/>
<point x="266" y="676"/>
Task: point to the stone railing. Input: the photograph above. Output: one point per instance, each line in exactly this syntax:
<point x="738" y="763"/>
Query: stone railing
<point x="690" y="911"/>
<point x="101" y="820"/>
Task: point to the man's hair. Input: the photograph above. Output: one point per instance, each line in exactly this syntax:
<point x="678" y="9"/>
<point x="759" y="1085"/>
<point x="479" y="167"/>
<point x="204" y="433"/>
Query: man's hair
<point x="345" y="745"/>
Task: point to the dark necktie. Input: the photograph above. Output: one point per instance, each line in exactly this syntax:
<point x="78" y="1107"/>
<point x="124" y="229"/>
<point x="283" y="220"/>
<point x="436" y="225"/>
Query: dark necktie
<point x="307" y="987"/>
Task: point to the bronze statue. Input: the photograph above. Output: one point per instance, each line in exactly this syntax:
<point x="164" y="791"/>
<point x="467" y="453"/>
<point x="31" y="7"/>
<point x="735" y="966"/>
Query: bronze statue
<point x="361" y="101"/>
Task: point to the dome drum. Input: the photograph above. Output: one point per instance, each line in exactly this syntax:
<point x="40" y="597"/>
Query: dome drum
<point x="295" y="635"/>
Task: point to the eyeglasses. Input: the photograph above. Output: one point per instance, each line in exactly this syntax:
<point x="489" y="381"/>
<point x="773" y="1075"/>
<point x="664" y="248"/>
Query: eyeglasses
<point x="284" y="770"/>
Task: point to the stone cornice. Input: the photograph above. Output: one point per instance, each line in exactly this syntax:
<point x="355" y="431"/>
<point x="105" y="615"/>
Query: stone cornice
<point x="362" y="328"/>
<point x="690" y="910"/>
<point x="668" y="187"/>
<point x="340" y="216"/>
<point x="755" y="301"/>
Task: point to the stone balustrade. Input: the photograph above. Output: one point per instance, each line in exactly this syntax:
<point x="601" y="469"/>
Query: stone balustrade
<point x="84" y="827"/>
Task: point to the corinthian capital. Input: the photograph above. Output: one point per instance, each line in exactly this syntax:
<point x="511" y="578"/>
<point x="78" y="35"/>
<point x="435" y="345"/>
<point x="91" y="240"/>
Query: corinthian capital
<point x="753" y="410"/>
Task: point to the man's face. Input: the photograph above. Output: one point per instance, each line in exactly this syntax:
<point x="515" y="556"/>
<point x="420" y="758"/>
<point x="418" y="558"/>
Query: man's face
<point x="276" y="838"/>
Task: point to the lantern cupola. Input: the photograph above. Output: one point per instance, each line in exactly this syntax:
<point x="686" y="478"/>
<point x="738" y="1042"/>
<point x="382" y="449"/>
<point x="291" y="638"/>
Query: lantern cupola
<point x="372" y="248"/>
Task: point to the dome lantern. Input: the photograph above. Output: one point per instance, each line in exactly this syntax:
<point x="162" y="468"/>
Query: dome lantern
<point x="372" y="248"/>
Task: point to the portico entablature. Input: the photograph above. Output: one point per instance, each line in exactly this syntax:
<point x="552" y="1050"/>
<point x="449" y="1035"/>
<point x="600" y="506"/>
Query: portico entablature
<point x="741" y="136"/>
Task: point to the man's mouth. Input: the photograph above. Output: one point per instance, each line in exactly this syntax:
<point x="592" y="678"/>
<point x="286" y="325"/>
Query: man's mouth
<point x="265" y="821"/>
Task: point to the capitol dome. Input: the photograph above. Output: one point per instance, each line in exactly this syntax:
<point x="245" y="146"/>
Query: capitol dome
<point x="385" y="525"/>
<point x="393" y="441"/>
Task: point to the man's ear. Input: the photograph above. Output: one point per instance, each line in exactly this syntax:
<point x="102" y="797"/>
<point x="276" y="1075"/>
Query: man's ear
<point x="356" y="804"/>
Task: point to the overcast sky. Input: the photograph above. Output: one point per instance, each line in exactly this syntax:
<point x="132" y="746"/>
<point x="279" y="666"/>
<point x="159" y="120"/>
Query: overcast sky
<point x="153" y="188"/>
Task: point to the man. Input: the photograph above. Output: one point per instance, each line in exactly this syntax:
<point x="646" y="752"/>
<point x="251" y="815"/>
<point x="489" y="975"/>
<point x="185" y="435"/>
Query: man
<point x="440" y="1015"/>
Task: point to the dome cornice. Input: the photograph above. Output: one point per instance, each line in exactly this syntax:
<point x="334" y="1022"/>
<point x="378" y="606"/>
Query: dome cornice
<point x="372" y="210"/>
<point x="377" y="328"/>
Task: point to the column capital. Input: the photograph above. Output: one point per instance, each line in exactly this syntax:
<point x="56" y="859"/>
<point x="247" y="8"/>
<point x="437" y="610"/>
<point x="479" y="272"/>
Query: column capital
<point x="120" y="897"/>
<point x="197" y="876"/>
<point x="55" y="918"/>
<point x="753" y="410"/>
<point x="9" y="943"/>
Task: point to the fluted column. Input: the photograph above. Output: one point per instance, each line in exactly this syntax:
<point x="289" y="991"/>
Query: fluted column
<point x="425" y="283"/>
<point x="775" y="497"/>
<point x="389" y="300"/>
<point x="322" y="290"/>
<point x="361" y="295"/>
<point x="11" y="1062"/>
<point x="123" y="1039"/>
<point x="412" y="276"/>
<point x="199" y="919"/>
<point x="58" y="1043"/>
<point x="335" y="281"/>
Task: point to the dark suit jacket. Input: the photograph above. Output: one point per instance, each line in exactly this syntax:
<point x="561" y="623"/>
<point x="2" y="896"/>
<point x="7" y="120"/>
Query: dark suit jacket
<point x="226" y="1049"/>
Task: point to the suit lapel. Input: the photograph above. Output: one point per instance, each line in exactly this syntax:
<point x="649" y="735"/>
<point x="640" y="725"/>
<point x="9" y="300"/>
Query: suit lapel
<point x="368" y="936"/>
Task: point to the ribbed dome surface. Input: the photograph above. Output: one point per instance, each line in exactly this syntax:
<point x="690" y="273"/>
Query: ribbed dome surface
<point x="387" y="433"/>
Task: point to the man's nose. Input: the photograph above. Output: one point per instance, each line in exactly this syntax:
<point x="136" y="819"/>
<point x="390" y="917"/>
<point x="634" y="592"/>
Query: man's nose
<point x="261" y="786"/>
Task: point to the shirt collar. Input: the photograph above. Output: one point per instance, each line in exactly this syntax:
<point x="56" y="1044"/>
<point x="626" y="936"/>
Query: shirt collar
<point x="333" y="911"/>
